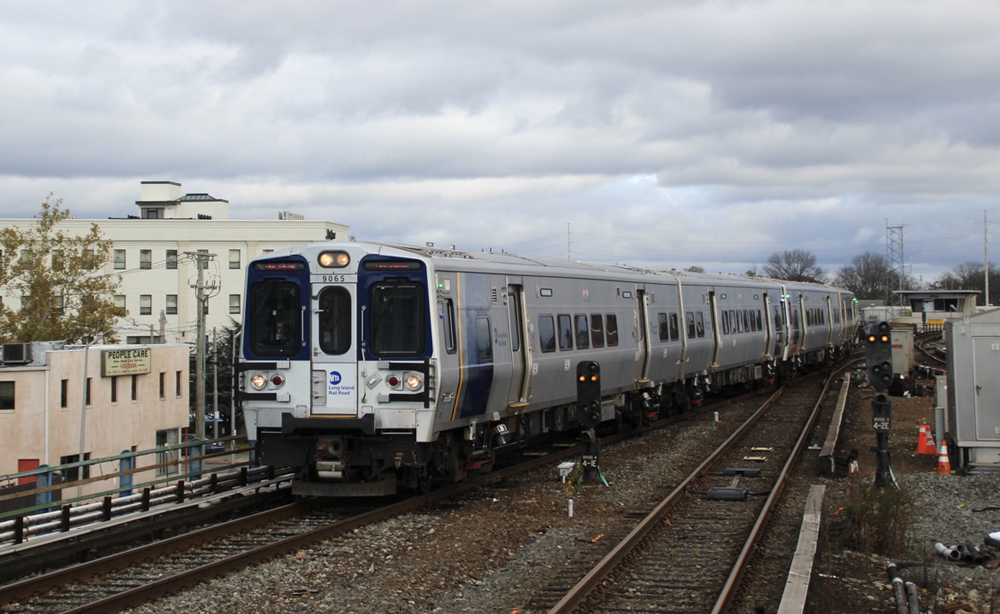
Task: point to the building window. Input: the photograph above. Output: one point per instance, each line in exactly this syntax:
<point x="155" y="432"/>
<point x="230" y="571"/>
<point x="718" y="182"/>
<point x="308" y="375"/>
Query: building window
<point x="135" y="387"/>
<point x="58" y="262"/>
<point x="177" y="384"/>
<point x="64" y="393"/>
<point x="152" y="213"/>
<point x="119" y="259"/>
<point x="114" y="388"/>
<point x="171" y="304"/>
<point x="166" y="458"/>
<point x="163" y="377"/>
<point x="60" y="305"/>
<point x="234" y="258"/>
<point x="72" y="474"/>
<point x="87" y="393"/>
<point x="171" y="258"/>
<point x="120" y="300"/>
<point x="145" y="258"/>
<point x="6" y="395"/>
<point x="145" y="304"/>
<point x="234" y="303"/>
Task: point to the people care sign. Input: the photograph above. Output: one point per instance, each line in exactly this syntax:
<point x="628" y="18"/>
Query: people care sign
<point x="132" y="361"/>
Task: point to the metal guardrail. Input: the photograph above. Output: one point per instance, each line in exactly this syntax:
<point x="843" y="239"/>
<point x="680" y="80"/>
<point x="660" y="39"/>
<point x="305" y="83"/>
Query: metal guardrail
<point x="67" y="517"/>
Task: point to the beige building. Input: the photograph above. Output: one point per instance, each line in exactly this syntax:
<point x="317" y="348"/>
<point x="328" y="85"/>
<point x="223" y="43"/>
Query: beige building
<point x="138" y="400"/>
<point x="155" y="251"/>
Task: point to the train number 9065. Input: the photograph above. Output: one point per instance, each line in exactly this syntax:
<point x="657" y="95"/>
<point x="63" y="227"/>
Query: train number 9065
<point x="334" y="279"/>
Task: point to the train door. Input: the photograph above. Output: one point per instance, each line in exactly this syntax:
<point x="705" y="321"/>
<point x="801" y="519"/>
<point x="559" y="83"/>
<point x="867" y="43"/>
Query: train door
<point x="642" y="335"/>
<point x="800" y="320"/>
<point x="830" y="324"/>
<point x="768" y="327"/>
<point x="335" y="378"/>
<point x="520" y="379"/>
<point x="713" y="314"/>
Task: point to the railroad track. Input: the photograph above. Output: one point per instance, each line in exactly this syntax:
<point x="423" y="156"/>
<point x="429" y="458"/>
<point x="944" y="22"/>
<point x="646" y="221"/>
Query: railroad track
<point x="102" y="585"/>
<point x="688" y="553"/>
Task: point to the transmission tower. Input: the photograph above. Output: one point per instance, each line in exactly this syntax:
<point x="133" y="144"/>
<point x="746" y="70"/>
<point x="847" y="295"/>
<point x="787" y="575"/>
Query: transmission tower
<point x="894" y="252"/>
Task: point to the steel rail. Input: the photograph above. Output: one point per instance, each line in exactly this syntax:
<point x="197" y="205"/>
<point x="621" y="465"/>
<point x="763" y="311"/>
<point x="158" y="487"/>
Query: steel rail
<point x="589" y="584"/>
<point x="728" y="591"/>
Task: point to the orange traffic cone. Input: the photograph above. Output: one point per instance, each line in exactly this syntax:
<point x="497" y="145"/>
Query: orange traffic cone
<point x="944" y="465"/>
<point x="925" y="443"/>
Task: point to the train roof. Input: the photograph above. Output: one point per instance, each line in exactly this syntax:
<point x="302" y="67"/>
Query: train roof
<point x="462" y="260"/>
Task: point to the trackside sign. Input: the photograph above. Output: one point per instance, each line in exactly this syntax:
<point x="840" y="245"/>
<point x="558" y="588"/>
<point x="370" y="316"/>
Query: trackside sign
<point x="132" y="361"/>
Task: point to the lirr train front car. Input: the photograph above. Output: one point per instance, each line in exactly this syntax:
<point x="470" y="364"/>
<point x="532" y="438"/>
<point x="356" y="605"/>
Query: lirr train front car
<point x="338" y="367"/>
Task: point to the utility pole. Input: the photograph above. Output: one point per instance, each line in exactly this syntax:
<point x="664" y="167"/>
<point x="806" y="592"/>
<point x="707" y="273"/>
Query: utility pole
<point x="215" y="386"/>
<point x="201" y="259"/>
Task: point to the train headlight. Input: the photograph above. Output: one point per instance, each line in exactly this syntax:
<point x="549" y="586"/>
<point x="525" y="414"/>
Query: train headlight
<point x="258" y="381"/>
<point x="414" y="382"/>
<point x="334" y="260"/>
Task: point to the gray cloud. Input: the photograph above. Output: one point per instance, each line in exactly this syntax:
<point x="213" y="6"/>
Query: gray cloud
<point x="663" y="133"/>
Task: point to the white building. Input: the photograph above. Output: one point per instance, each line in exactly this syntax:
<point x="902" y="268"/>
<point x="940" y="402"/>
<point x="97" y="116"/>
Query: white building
<point x="155" y="250"/>
<point x="136" y="399"/>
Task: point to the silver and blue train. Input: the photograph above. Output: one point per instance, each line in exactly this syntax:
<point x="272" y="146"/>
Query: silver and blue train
<point x="370" y="368"/>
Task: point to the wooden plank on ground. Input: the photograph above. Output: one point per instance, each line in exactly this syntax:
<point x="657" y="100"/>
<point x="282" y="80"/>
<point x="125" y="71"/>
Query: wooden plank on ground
<point x="793" y="600"/>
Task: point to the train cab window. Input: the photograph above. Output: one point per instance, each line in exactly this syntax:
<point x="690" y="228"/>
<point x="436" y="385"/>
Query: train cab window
<point x="565" y="332"/>
<point x="335" y="319"/>
<point x="484" y="343"/>
<point x="398" y="318"/>
<point x="596" y="330"/>
<point x="612" y="330"/>
<point x="699" y="324"/>
<point x="582" y="334"/>
<point x="689" y="318"/>
<point x="675" y="333"/>
<point x="547" y="334"/>
<point x="275" y="319"/>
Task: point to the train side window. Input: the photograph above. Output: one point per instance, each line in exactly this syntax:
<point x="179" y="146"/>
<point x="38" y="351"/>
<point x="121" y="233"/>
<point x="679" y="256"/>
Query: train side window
<point x="760" y="323"/>
<point x="484" y="344"/>
<point x="335" y="320"/>
<point x="514" y="315"/>
<point x="699" y="324"/>
<point x="661" y="322"/>
<point x="746" y="320"/>
<point x="448" y="322"/>
<point x="582" y="334"/>
<point x="565" y="332"/>
<point x="674" y="328"/>
<point x="612" y="330"/>
<point x="596" y="330"/>
<point x="726" y="319"/>
<point x="689" y="318"/>
<point x="546" y="334"/>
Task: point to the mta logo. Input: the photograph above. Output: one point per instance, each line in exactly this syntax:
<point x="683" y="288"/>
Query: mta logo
<point x="334" y="378"/>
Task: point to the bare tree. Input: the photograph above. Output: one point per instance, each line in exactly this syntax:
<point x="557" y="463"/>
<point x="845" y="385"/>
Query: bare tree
<point x="794" y="265"/>
<point x="971" y="276"/>
<point x="871" y="276"/>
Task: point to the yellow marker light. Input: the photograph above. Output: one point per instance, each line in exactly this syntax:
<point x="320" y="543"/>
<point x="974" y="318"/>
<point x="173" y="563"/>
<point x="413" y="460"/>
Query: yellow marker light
<point x="334" y="260"/>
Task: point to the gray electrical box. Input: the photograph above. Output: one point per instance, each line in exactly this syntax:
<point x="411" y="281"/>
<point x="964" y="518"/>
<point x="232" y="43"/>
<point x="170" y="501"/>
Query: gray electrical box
<point x="902" y="350"/>
<point x="974" y="387"/>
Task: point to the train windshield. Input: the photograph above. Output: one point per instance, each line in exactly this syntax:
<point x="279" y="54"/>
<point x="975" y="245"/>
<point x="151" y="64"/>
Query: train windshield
<point x="397" y="320"/>
<point x="335" y="315"/>
<point x="276" y="324"/>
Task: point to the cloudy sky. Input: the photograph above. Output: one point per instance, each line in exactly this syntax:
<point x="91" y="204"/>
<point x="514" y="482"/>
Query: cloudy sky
<point x="673" y="133"/>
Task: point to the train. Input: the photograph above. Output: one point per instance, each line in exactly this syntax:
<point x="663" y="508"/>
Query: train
<point x="374" y="368"/>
